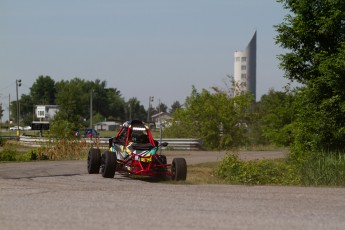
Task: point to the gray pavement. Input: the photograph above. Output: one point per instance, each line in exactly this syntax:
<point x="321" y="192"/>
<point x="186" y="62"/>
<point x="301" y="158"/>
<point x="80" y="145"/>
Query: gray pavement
<point x="61" y="195"/>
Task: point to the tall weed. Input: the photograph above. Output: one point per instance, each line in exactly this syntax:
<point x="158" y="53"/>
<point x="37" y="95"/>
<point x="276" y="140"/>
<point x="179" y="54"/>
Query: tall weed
<point x="54" y="150"/>
<point x="323" y="168"/>
<point x="63" y="150"/>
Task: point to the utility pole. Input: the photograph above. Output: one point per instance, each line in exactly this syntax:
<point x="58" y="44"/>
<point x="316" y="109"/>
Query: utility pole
<point x="130" y="111"/>
<point x="1" y="110"/>
<point x="9" y="109"/>
<point x="160" y="126"/>
<point x="91" y="108"/>
<point x="18" y="84"/>
<point x="148" y="111"/>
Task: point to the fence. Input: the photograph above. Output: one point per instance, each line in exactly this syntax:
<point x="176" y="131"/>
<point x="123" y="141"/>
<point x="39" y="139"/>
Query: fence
<point x="173" y="143"/>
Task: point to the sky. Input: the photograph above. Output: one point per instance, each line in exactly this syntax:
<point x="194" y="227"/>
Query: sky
<point x="143" y="48"/>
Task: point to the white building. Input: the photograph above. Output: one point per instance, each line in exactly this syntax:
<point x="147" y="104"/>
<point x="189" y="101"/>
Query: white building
<point x="46" y="112"/>
<point x="245" y="69"/>
<point x="107" y="126"/>
<point x="161" y="118"/>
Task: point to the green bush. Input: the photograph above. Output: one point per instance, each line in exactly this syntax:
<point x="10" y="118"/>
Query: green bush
<point x="257" y="172"/>
<point x="32" y="155"/>
<point x="24" y="157"/>
<point x="2" y="141"/>
<point x="323" y="168"/>
<point x="8" y="154"/>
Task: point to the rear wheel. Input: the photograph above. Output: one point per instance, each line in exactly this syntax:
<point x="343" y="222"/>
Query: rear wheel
<point x="179" y="169"/>
<point x="93" y="161"/>
<point x="109" y="166"/>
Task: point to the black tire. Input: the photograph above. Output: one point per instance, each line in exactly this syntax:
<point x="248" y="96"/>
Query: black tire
<point x="109" y="166"/>
<point x="179" y="169"/>
<point x="94" y="161"/>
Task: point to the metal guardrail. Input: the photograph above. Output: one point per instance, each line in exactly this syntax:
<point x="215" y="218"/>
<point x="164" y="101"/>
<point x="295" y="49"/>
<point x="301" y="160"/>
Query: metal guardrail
<point x="183" y="143"/>
<point x="10" y="137"/>
<point x="173" y="143"/>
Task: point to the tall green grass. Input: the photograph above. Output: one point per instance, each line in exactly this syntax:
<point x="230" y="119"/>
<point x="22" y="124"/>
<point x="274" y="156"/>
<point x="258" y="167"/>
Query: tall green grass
<point x="323" y="168"/>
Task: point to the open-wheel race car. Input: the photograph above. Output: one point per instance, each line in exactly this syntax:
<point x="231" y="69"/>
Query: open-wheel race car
<point x="133" y="151"/>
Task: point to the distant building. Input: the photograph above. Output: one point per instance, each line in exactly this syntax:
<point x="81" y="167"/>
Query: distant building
<point x="161" y="118"/>
<point x="45" y="112"/>
<point x="245" y="69"/>
<point x="107" y="126"/>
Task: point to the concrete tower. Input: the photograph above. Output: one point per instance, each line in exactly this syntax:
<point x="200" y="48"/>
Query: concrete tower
<point x="245" y="69"/>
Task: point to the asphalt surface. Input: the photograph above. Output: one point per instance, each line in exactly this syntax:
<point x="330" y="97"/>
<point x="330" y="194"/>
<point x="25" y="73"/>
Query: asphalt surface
<point x="61" y="195"/>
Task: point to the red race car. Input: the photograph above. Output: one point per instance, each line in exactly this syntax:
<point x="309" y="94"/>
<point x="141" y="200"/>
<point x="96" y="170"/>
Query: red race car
<point x="133" y="151"/>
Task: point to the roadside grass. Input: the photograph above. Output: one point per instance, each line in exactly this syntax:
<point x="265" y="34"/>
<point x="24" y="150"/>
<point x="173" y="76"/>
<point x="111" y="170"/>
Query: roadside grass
<point x="263" y="148"/>
<point x="12" y="151"/>
<point x="324" y="168"/>
<point x="60" y="150"/>
<point x="203" y="174"/>
<point x="257" y="172"/>
<point x="64" y="150"/>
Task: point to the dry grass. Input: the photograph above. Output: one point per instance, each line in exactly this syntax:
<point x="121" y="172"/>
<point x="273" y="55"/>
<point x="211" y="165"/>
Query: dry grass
<point x="203" y="174"/>
<point x="64" y="150"/>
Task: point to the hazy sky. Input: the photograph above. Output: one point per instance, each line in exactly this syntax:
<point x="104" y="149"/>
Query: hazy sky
<point x="143" y="48"/>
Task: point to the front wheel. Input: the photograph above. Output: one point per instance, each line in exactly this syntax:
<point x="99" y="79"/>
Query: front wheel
<point x="179" y="169"/>
<point x="109" y="159"/>
<point x="93" y="161"/>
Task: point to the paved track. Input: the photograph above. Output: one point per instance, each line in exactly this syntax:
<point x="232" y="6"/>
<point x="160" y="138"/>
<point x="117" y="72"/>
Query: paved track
<point x="61" y="195"/>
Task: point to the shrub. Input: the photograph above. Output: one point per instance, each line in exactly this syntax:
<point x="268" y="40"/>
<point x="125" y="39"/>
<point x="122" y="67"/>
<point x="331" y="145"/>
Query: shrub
<point x="257" y="172"/>
<point x="8" y="154"/>
<point x="2" y="141"/>
<point x="323" y="168"/>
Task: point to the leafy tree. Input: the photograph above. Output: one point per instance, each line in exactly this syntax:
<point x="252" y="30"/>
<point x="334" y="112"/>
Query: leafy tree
<point x="97" y="118"/>
<point x="25" y="109"/>
<point x="71" y="100"/>
<point x="276" y="115"/>
<point x="116" y="104"/>
<point x="314" y="33"/>
<point x="160" y="108"/>
<point x="220" y="121"/>
<point x="230" y="86"/>
<point x="43" y="91"/>
<point x="106" y="101"/>
<point x="176" y="105"/>
<point x="1" y="112"/>
<point x="137" y="110"/>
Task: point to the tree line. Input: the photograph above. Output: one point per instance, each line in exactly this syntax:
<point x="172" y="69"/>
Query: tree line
<point x="308" y="118"/>
<point x="73" y="97"/>
<point x="221" y="120"/>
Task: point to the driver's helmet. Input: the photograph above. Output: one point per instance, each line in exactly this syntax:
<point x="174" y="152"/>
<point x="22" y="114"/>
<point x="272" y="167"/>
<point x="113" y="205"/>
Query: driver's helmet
<point x="142" y="138"/>
<point x="139" y="135"/>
